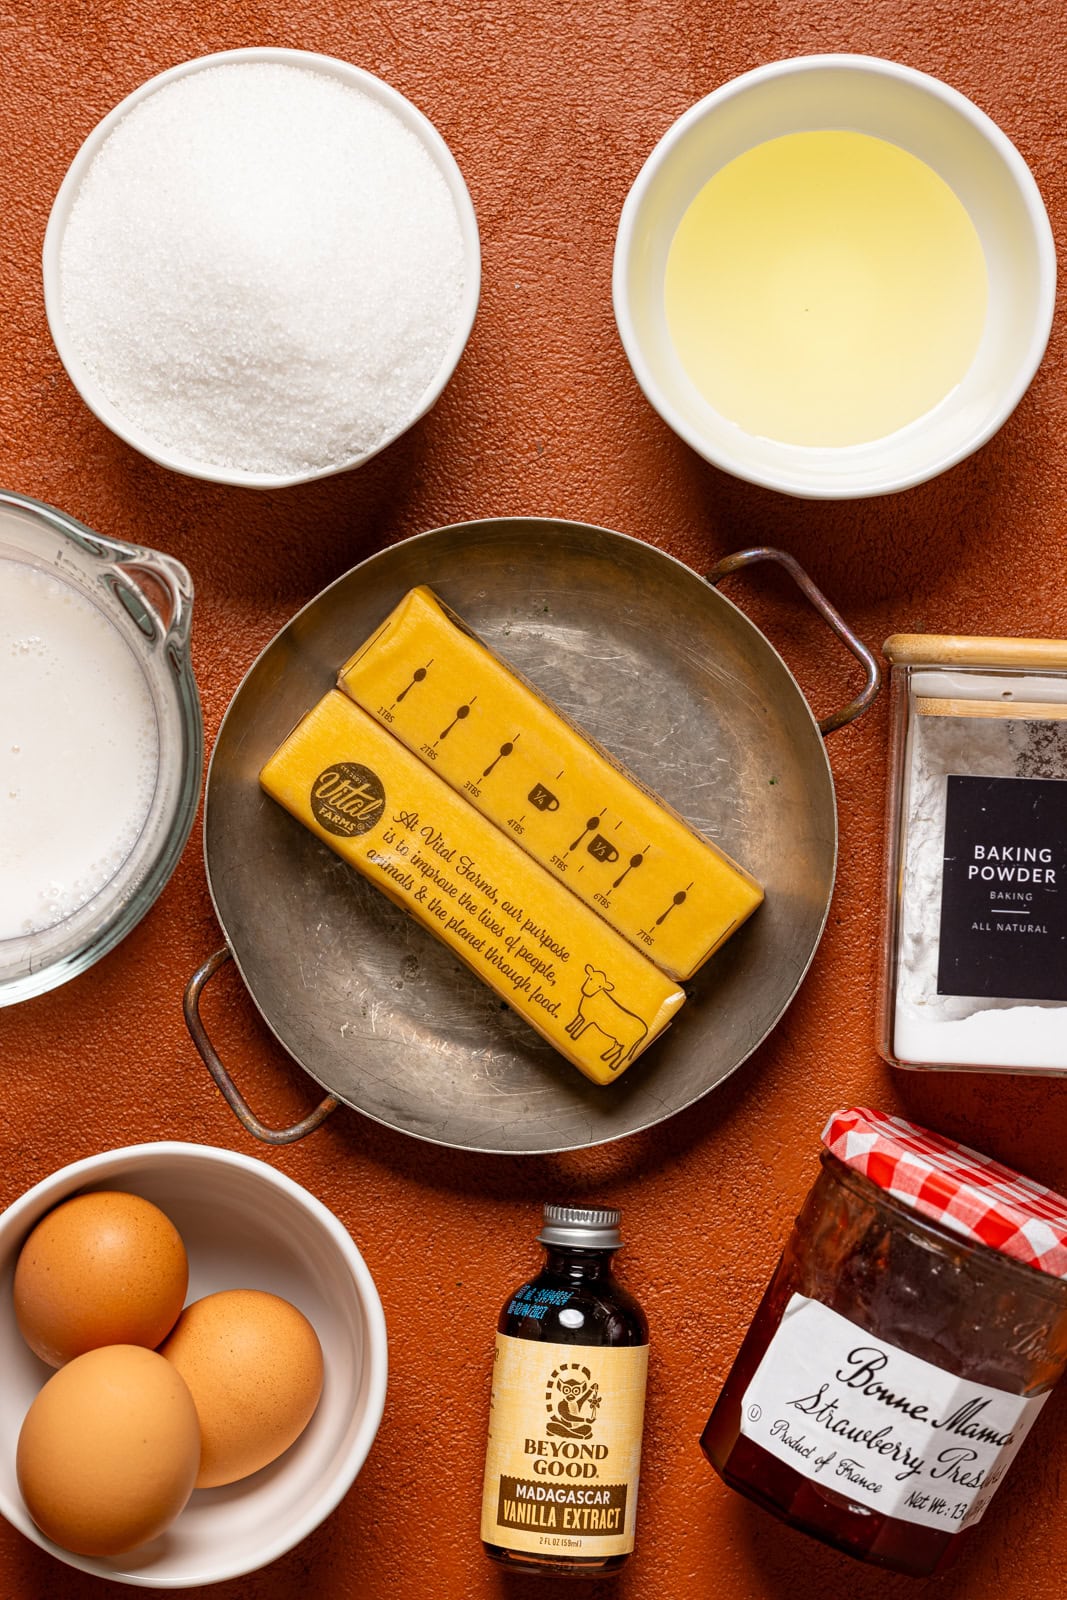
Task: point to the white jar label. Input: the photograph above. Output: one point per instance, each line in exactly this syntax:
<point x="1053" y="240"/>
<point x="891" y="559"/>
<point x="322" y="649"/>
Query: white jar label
<point x="879" y="1426"/>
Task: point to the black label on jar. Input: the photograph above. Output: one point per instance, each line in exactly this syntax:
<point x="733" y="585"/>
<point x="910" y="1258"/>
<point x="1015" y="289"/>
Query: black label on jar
<point x="1004" y="889"/>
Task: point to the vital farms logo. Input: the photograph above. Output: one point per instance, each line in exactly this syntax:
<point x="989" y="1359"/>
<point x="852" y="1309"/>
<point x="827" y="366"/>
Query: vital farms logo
<point x="347" y="799"/>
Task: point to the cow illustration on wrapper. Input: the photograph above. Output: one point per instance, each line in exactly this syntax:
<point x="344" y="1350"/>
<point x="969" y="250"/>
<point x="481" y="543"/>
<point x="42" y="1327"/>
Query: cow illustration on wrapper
<point x="624" y="1030"/>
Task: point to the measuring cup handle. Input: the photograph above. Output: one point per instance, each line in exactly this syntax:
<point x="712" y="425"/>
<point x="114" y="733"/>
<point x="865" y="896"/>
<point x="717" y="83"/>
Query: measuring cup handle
<point x="229" y="1090"/>
<point x="166" y="586"/>
<point x="829" y="614"/>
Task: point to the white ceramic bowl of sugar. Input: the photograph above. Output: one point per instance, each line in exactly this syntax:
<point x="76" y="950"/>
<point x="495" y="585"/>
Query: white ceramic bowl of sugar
<point x="945" y="131"/>
<point x="244" y="1225"/>
<point x="219" y="382"/>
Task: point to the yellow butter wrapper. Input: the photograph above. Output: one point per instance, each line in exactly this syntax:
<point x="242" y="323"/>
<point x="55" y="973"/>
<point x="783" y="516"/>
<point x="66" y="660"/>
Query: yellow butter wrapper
<point x="617" y="846"/>
<point x="594" y="998"/>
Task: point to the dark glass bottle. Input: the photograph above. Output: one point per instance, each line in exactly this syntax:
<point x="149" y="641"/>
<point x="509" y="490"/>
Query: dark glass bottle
<point x="567" y="1410"/>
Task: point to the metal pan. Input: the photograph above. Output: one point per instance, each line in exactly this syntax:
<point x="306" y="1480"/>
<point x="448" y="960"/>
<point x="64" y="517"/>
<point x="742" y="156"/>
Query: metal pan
<point x="671" y="678"/>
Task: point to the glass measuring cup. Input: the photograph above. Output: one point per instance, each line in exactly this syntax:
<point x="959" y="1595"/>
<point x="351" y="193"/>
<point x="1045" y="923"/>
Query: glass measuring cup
<point x="147" y="598"/>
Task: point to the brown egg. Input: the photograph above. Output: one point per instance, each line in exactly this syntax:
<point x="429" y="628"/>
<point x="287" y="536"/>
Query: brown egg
<point x="105" y="1268"/>
<point x="108" y="1453"/>
<point x="253" y="1364"/>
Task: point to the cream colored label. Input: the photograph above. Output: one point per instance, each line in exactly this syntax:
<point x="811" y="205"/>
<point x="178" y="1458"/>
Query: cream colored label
<point x="564" y="1451"/>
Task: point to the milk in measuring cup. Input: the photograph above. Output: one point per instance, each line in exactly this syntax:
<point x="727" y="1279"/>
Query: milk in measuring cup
<point x="79" y="749"/>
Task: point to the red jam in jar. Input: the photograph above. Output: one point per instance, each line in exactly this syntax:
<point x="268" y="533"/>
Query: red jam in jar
<point x="911" y="1333"/>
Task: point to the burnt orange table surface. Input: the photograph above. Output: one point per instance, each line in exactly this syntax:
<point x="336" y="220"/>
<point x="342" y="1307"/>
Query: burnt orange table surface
<point x="550" y="109"/>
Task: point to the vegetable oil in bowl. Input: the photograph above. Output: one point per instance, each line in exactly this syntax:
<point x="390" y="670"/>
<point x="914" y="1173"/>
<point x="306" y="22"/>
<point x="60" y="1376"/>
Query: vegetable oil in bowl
<point x="825" y="289"/>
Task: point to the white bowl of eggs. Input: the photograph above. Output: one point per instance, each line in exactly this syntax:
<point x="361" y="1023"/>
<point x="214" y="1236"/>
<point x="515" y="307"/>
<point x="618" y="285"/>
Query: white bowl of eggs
<point x="151" y="1282"/>
<point x="834" y="276"/>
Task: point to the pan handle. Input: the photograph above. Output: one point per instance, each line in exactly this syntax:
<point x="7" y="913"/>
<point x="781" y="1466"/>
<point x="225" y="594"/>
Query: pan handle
<point x="229" y="1090"/>
<point x="829" y="614"/>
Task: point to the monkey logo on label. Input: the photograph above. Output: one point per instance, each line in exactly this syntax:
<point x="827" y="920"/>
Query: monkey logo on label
<point x="572" y="1401"/>
<point x="347" y="799"/>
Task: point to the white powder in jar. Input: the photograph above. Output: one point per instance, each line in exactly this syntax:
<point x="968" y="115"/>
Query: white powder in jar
<point x="263" y="269"/>
<point x="949" y="1029"/>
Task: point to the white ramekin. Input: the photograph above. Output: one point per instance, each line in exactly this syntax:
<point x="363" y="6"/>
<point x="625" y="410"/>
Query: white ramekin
<point x="948" y="133"/>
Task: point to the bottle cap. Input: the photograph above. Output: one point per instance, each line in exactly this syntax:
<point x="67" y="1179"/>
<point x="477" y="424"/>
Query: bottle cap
<point x="581" y="1227"/>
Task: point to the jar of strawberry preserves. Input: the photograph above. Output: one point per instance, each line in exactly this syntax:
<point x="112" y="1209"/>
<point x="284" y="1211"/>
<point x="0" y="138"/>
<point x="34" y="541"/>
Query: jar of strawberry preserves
<point x="912" y="1331"/>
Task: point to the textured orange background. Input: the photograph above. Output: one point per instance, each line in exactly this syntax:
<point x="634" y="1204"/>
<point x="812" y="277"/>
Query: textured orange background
<point x="550" y="109"/>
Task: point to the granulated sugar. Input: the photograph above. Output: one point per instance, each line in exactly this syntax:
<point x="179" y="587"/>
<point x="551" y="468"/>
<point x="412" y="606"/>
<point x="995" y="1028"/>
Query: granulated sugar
<point x="263" y="269"/>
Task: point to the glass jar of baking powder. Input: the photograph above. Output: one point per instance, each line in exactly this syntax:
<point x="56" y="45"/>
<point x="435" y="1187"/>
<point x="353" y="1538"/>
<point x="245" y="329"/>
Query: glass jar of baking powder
<point x="974" y="972"/>
<point x="913" y="1330"/>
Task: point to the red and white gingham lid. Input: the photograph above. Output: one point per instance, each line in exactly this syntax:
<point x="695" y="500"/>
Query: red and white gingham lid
<point x="965" y="1191"/>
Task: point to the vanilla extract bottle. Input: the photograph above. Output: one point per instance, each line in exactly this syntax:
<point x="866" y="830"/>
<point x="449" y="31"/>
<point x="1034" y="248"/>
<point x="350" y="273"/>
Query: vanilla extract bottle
<point x="567" y="1408"/>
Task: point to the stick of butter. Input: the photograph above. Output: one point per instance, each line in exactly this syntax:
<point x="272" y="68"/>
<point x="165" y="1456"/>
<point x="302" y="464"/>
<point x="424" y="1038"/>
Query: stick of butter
<point x="584" y="989"/>
<point x="621" y="849"/>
